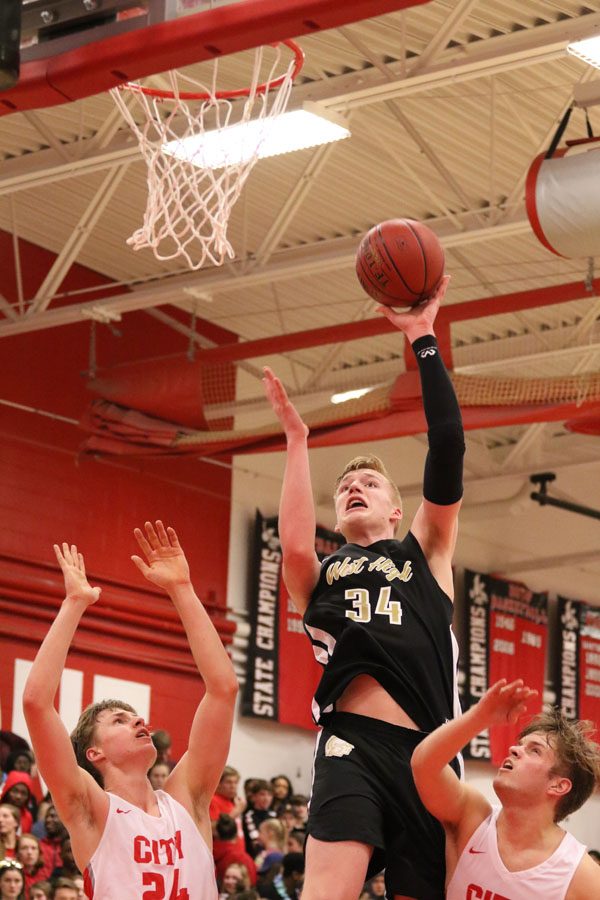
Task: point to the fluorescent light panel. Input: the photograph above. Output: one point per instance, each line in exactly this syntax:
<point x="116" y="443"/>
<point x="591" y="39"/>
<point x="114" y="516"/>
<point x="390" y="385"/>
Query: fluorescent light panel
<point x="296" y="130"/>
<point x="350" y="395"/>
<point x="587" y="50"/>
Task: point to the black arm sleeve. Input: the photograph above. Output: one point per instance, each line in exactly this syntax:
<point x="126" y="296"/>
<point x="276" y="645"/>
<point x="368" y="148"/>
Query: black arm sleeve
<point x="442" y="481"/>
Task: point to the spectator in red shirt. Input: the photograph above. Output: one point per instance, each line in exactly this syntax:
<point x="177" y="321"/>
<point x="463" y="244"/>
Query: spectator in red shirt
<point x="68" y="869"/>
<point x="226" y="800"/>
<point x="29" y="854"/>
<point x="228" y="850"/>
<point x="18" y="790"/>
<point x="55" y="834"/>
<point x="22" y="761"/>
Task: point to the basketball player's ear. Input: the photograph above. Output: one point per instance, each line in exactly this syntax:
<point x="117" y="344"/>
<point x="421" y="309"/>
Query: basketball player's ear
<point x="396" y="514"/>
<point x="559" y="786"/>
<point x="93" y="755"/>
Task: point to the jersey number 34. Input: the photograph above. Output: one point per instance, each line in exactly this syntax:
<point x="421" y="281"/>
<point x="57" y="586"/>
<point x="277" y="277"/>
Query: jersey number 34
<point x="363" y="606"/>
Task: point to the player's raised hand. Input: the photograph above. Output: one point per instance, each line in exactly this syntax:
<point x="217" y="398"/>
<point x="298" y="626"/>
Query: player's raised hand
<point x="72" y="566"/>
<point x="284" y="409"/>
<point x="504" y="702"/>
<point x="165" y="565"/>
<point x="419" y="319"/>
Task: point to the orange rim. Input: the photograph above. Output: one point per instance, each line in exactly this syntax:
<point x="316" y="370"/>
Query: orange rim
<point x="224" y="95"/>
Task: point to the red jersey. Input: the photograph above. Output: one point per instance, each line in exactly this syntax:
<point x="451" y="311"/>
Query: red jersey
<point x="218" y="805"/>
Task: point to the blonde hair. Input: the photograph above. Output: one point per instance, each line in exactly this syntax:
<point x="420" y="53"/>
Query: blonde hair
<point x="244" y="874"/>
<point x="276" y="829"/>
<point x="16" y="814"/>
<point x="374" y="463"/>
<point x="577" y="756"/>
<point x="82" y="737"/>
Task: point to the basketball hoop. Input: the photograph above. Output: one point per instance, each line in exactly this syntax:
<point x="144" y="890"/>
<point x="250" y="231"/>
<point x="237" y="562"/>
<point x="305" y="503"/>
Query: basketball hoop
<point x="191" y="193"/>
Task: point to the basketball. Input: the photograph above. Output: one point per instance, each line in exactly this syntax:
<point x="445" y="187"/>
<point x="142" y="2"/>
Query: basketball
<point x="400" y="262"/>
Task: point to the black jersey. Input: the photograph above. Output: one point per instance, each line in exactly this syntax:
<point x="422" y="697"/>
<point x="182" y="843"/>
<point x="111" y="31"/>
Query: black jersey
<point x="379" y="611"/>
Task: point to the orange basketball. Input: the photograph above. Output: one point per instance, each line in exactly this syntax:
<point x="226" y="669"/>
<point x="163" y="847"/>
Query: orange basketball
<point x="400" y="262"/>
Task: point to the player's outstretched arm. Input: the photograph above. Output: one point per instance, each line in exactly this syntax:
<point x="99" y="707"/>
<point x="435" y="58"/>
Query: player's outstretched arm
<point x="443" y="794"/>
<point x="73" y="790"/>
<point x="435" y="523"/>
<point x="194" y="779"/>
<point x="297" y="519"/>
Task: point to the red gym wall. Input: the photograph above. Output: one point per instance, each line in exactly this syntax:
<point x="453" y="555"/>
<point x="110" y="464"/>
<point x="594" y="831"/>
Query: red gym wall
<point x="49" y="493"/>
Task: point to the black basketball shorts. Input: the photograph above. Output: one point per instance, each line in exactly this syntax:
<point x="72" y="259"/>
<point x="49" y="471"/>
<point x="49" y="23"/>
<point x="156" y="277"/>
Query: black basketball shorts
<point x="363" y="790"/>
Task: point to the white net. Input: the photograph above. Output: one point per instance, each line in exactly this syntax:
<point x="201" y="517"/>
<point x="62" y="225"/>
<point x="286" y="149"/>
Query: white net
<point x="199" y="151"/>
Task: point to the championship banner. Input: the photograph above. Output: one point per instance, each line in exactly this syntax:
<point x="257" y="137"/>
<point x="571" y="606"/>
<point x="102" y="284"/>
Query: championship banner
<point x="507" y="634"/>
<point x="578" y="681"/>
<point x="282" y="673"/>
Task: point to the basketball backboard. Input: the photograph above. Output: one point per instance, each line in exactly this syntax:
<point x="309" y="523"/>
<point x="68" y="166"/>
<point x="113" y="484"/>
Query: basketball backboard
<point x="75" y="48"/>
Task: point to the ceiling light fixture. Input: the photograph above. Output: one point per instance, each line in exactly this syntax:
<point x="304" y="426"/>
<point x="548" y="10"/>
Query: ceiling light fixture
<point x="588" y="50"/>
<point x="236" y="144"/>
<point x="344" y="396"/>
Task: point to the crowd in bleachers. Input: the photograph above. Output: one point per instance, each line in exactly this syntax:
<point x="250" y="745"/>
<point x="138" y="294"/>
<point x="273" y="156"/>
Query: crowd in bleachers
<point x="36" y="862"/>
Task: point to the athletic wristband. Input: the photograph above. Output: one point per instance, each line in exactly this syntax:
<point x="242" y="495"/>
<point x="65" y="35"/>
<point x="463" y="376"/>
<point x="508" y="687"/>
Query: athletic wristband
<point x="425" y="346"/>
<point x="442" y="481"/>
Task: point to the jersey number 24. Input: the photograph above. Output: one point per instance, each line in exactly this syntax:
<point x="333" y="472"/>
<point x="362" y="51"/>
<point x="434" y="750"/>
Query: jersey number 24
<point x="158" y="890"/>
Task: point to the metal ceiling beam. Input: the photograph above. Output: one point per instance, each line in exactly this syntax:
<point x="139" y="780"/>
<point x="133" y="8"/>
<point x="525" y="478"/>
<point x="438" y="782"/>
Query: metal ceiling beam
<point x="391" y="149"/>
<point x="48" y="135"/>
<point x="7" y="309"/>
<point x="46" y="166"/>
<point x="16" y="255"/>
<point x="531" y="436"/>
<point x="439" y="42"/>
<point x="369" y="374"/>
<point x="294" y="201"/>
<point x="105" y="134"/>
<point x="407" y="125"/>
<point x="327" y="362"/>
<point x="476" y="60"/>
<point x="433" y="158"/>
<point x="284" y="265"/>
<point x="199" y="339"/>
<point x="75" y="242"/>
<point x="544" y="356"/>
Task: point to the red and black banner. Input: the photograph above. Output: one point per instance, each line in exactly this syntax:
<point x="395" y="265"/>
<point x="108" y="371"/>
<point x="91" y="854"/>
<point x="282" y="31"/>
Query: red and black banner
<point x="282" y="673"/>
<point x="578" y="681"/>
<point x="507" y="635"/>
